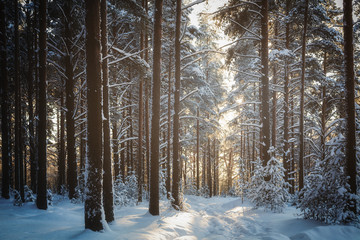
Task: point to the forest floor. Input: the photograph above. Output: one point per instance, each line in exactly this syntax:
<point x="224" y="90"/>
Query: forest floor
<point x="204" y="218"/>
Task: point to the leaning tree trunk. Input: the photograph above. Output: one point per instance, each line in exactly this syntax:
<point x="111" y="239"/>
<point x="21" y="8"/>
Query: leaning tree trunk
<point x="155" y="122"/>
<point x="302" y="88"/>
<point x="5" y="190"/>
<point x="93" y="201"/>
<point x="107" y="175"/>
<point x="41" y="200"/>
<point x="350" y="147"/>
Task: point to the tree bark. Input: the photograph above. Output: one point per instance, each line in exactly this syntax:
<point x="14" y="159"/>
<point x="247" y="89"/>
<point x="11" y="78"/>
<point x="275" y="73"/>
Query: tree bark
<point x="350" y="147"/>
<point x="93" y="201"/>
<point x="19" y="165"/>
<point x="70" y="105"/>
<point x="41" y="200"/>
<point x="265" y="113"/>
<point x="107" y="173"/>
<point x="197" y="149"/>
<point x="61" y="161"/>
<point x="5" y="130"/>
<point x="168" y="170"/>
<point x="286" y="103"/>
<point x="302" y="88"/>
<point x="155" y="129"/>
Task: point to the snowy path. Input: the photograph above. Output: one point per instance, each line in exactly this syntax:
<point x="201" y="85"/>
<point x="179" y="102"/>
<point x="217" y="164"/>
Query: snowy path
<point x="215" y="218"/>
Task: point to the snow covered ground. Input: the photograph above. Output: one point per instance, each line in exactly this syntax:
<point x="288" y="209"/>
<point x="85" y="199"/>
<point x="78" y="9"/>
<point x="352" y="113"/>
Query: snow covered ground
<point x="214" y="218"/>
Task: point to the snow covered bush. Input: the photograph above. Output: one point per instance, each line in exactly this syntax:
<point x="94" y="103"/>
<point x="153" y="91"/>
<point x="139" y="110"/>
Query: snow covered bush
<point x="126" y="193"/>
<point x="29" y="195"/>
<point x="325" y="194"/>
<point x="272" y="194"/>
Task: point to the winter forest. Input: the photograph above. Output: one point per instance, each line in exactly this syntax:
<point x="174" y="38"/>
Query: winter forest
<point x="180" y="119"/>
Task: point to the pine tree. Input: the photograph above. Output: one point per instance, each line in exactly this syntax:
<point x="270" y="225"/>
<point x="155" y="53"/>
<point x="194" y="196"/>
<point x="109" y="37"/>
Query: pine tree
<point x="155" y="121"/>
<point x="107" y="176"/>
<point x="350" y="147"/>
<point x="94" y="201"/>
<point x="41" y="200"/>
<point x="4" y="107"/>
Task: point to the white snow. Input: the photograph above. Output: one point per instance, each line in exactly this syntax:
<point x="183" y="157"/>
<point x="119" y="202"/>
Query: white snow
<point x="205" y="218"/>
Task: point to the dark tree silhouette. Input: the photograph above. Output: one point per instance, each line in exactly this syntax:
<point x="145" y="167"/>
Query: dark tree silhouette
<point x="93" y="201"/>
<point x="350" y="147"/>
<point x="41" y="200"/>
<point x="4" y="107"/>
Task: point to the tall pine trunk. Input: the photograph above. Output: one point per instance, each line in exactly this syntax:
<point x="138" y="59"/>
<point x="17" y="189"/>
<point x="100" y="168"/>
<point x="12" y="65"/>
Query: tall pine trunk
<point x="286" y="103"/>
<point x="107" y="176"/>
<point x="265" y="113"/>
<point x="155" y="121"/>
<point x="70" y="105"/>
<point x="94" y="201"/>
<point x="41" y="200"/>
<point x="302" y="89"/>
<point x="5" y="136"/>
<point x="350" y="147"/>
<point x="19" y="165"/>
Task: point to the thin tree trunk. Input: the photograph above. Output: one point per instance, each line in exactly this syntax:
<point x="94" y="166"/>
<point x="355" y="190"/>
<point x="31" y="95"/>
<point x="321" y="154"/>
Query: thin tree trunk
<point x="41" y="200"/>
<point x="30" y="100"/>
<point x="323" y="112"/>
<point x="286" y="154"/>
<point x="155" y="129"/>
<point x="70" y="105"/>
<point x="61" y="164"/>
<point x="302" y="88"/>
<point x="168" y="175"/>
<point x="19" y="171"/>
<point x="265" y="114"/>
<point x="93" y="201"/>
<point x="176" y="132"/>
<point x="209" y="165"/>
<point x="107" y="172"/>
<point x="197" y="149"/>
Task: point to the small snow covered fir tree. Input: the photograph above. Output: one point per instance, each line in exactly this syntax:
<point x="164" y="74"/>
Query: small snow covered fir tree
<point x="271" y="194"/>
<point x="325" y="194"/>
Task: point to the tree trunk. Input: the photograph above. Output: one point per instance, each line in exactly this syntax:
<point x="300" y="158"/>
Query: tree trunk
<point x="350" y="147"/>
<point x="70" y="105"/>
<point x="93" y="201"/>
<point x="168" y="170"/>
<point x="116" y="151"/>
<point x="155" y="122"/>
<point x="197" y="149"/>
<point x="41" y="200"/>
<point x="265" y="114"/>
<point x="5" y="130"/>
<point x="30" y="85"/>
<point x="19" y="171"/>
<point x="323" y="112"/>
<point x="176" y="132"/>
<point x="61" y="164"/>
<point x="286" y="103"/>
<point x="209" y="165"/>
<point x="302" y="88"/>
<point x="107" y="172"/>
